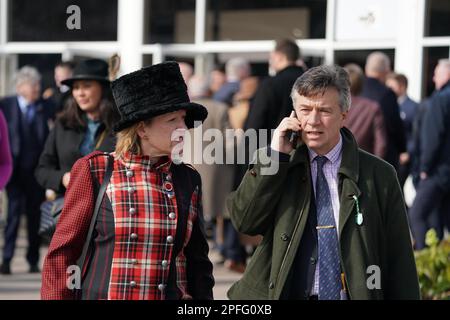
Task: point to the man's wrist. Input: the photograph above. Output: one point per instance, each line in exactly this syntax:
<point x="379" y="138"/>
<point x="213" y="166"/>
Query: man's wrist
<point x="278" y="156"/>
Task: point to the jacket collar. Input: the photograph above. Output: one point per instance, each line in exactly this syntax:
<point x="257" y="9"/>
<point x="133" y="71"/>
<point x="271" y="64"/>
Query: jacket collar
<point x="140" y="162"/>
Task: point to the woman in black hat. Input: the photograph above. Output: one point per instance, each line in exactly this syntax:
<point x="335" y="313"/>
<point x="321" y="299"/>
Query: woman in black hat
<point x="148" y="242"/>
<point x="84" y="126"/>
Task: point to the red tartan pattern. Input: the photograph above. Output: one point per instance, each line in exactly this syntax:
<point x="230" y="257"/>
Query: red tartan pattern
<point x="142" y="249"/>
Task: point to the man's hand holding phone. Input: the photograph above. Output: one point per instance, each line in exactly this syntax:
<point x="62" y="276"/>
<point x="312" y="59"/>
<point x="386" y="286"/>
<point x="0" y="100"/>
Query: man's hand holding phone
<point x="282" y="140"/>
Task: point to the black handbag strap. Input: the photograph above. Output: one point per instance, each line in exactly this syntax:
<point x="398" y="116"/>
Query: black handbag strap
<point x="98" y="202"/>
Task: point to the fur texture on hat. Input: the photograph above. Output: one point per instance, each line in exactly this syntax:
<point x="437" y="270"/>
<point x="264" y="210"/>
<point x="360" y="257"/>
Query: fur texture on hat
<point x="154" y="91"/>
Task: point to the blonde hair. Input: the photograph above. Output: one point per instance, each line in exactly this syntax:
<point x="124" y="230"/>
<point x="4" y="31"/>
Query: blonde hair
<point x="128" y="141"/>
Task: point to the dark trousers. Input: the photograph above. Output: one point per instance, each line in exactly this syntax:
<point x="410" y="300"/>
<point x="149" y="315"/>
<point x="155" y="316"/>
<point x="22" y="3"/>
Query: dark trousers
<point x="232" y="248"/>
<point x="24" y="196"/>
<point x="431" y="209"/>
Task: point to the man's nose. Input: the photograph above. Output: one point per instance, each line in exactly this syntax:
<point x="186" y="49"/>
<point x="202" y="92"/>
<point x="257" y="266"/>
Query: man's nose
<point x="314" y="117"/>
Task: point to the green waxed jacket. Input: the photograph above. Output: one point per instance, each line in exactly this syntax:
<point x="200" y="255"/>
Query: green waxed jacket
<point x="277" y="206"/>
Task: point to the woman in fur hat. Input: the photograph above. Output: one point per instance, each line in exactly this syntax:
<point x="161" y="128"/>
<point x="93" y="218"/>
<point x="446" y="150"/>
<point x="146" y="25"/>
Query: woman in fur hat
<point x="148" y="242"/>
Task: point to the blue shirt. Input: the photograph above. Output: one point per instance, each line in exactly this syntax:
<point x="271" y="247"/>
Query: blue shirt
<point x="88" y="144"/>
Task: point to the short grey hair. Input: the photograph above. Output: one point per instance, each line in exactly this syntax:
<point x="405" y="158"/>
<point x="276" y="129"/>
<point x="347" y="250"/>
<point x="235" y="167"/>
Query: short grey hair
<point x="445" y="63"/>
<point x="317" y="80"/>
<point x="27" y="74"/>
<point x="378" y="62"/>
<point x="237" y="69"/>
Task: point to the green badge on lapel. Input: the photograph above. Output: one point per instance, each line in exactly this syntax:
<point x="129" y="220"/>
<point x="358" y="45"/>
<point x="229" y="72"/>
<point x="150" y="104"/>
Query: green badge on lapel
<point x="359" y="215"/>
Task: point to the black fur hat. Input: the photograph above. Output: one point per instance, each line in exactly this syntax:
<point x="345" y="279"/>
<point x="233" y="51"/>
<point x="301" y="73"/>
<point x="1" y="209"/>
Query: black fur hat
<point x="153" y="91"/>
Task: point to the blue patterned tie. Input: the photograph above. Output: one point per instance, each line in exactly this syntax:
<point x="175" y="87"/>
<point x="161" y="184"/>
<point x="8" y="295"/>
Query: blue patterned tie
<point x="30" y="113"/>
<point x="329" y="265"/>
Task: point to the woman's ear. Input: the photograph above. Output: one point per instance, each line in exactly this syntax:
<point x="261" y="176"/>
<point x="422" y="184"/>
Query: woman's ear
<point x="142" y="130"/>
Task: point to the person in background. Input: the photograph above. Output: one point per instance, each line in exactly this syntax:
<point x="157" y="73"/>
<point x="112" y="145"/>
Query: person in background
<point x="408" y="111"/>
<point x="236" y="70"/>
<point x="84" y="126"/>
<point x="217" y="177"/>
<point x="28" y="117"/>
<point x="6" y="165"/>
<point x="272" y="101"/>
<point x="217" y="79"/>
<point x="378" y="66"/>
<point x="187" y="71"/>
<point x="365" y="118"/>
<point x="433" y="191"/>
<point x="60" y="92"/>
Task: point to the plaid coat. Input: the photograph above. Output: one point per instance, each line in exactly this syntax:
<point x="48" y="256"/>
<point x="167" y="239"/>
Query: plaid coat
<point x="148" y="240"/>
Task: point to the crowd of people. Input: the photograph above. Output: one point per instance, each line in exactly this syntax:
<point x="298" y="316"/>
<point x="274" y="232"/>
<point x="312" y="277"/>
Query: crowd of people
<point x="55" y="143"/>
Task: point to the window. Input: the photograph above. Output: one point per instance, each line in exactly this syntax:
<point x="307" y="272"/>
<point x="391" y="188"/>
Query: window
<point x="265" y="20"/>
<point x="431" y="56"/>
<point x="436" y="18"/>
<point x="45" y="20"/>
<point x="169" y="21"/>
<point x="45" y="63"/>
<point x="342" y="57"/>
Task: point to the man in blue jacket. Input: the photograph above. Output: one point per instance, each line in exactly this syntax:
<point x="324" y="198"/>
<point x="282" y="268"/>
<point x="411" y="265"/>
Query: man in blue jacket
<point x="434" y="186"/>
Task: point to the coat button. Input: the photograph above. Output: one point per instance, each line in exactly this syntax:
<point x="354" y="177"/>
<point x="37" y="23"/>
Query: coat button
<point x="172" y="215"/>
<point x="169" y="239"/>
<point x="161" y="287"/>
<point x="253" y="172"/>
<point x="132" y="211"/>
<point x="133" y="284"/>
<point x="164" y="263"/>
<point x="313" y="260"/>
<point x="168" y="186"/>
<point x="130" y="190"/>
<point x="133" y="236"/>
<point x="130" y="174"/>
<point x="134" y="261"/>
<point x="284" y="237"/>
<point x="271" y="285"/>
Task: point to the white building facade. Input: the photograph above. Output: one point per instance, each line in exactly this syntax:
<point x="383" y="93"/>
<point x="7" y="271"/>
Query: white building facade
<point x="414" y="33"/>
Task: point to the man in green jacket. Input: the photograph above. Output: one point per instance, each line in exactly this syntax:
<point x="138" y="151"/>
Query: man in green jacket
<point x="332" y="216"/>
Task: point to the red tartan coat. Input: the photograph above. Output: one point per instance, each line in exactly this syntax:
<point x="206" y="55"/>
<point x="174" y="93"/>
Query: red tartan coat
<point x="148" y="242"/>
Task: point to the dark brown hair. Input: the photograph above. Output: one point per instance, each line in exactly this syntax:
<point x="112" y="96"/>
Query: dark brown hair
<point x="289" y="48"/>
<point x="356" y="76"/>
<point x="72" y="116"/>
<point x="400" y="78"/>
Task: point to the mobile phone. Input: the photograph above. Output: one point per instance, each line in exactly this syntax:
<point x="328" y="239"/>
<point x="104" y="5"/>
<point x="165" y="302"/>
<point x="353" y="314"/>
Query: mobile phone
<point x="293" y="135"/>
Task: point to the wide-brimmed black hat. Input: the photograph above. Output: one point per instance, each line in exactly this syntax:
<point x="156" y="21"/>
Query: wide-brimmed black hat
<point x="91" y="69"/>
<point x="154" y="91"/>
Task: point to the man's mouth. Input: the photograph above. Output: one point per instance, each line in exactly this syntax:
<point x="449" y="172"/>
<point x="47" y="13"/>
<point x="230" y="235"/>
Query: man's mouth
<point x="314" y="133"/>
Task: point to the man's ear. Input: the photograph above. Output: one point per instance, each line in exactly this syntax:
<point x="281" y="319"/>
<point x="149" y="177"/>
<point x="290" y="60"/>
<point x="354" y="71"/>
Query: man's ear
<point x="344" y="115"/>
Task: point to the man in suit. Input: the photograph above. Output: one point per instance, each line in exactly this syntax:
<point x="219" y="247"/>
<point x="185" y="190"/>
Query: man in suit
<point x="60" y="93"/>
<point x="378" y="66"/>
<point x="27" y="116"/>
<point x="272" y="100"/>
<point x="433" y="190"/>
<point x="408" y="109"/>
<point x="332" y="216"/>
